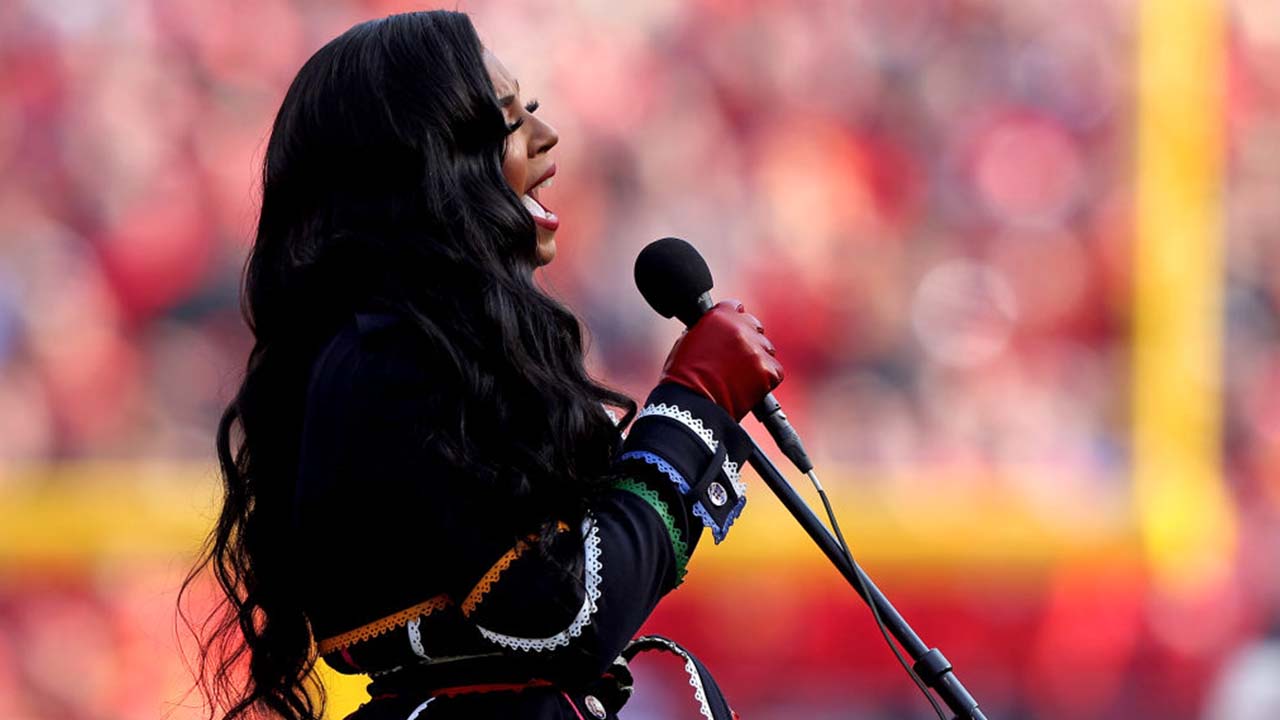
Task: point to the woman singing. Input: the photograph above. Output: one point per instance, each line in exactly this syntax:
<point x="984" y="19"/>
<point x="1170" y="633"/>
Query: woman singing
<point x="422" y="483"/>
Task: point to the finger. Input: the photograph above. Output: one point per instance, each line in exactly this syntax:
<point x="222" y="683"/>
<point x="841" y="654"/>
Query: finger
<point x="759" y="341"/>
<point x="772" y="374"/>
<point x="753" y="351"/>
<point x="732" y="304"/>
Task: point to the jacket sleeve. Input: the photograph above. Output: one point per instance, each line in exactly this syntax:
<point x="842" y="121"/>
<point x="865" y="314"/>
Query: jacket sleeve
<point x="678" y="472"/>
<point x="570" y="593"/>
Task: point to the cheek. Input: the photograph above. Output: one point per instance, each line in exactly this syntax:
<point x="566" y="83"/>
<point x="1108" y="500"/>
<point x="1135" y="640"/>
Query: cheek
<point x="513" y="166"/>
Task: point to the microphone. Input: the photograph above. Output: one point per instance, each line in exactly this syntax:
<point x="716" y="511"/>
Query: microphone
<point x="675" y="281"/>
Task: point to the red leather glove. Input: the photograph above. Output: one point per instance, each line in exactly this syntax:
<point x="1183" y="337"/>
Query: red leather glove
<point x="726" y="357"/>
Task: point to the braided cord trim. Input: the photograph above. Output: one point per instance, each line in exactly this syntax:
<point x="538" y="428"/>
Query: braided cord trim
<point x="383" y="625"/>
<point x="590" y="601"/>
<point x="495" y="572"/>
<point x="660" y="506"/>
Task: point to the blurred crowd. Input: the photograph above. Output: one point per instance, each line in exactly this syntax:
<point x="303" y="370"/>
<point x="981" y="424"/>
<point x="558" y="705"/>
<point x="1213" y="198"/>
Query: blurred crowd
<point x="929" y="203"/>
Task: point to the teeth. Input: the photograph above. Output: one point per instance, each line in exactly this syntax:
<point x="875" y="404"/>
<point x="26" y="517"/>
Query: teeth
<point x="546" y="183"/>
<point x="534" y="208"/>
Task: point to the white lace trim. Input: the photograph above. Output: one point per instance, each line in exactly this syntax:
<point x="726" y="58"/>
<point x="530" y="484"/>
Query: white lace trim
<point x="731" y="469"/>
<point x="695" y="680"/>
<point x="592" y="568"/>
<point x="684" y="417"/>
<point x="415" y="639"/>
<point x="734" y="471"/>
<point x="418" y="710"/>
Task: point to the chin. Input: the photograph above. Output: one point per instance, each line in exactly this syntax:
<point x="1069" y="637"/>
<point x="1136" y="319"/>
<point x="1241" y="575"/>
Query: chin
<point x="546" y="251"/>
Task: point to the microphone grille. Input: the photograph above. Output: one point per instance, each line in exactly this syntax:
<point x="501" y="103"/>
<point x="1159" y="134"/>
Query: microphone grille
<point x="671" y="275"/>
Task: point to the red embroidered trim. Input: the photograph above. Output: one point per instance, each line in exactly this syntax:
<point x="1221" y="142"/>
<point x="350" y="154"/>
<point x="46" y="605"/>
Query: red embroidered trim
<point x="491" y="687"/>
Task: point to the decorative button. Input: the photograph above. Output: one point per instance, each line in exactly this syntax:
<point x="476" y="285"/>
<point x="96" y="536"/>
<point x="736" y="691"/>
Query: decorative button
<point x="594" y="706"/>
<point x="719" y="496"/>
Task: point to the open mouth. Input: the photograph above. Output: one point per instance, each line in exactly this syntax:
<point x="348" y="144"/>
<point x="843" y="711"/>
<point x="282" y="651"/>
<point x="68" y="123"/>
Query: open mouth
<point x="542" y="217"/>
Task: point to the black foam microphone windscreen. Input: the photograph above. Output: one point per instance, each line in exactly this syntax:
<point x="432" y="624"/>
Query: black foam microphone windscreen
<point x="672" y="276"/>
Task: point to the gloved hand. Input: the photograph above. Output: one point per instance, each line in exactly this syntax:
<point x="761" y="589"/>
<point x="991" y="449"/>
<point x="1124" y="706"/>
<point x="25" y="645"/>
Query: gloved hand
<point x="726" y="357"/>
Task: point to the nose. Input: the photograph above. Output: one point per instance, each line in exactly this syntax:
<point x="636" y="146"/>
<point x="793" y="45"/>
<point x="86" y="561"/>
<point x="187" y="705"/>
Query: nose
<point x="545" y="137"/>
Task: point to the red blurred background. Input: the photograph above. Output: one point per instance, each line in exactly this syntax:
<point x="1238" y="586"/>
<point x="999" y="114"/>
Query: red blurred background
<point x="935" y="206"/>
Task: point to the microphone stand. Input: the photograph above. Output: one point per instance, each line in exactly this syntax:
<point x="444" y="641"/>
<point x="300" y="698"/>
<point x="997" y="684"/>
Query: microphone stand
<point x="929" y="663"/>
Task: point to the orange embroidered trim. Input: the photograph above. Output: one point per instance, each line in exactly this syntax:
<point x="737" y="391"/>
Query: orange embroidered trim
<point x="382" y="625"/>
<point x="486" y="582"/>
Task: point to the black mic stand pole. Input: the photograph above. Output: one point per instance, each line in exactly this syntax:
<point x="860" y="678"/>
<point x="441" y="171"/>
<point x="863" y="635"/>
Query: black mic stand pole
<point x="929" y="663"/>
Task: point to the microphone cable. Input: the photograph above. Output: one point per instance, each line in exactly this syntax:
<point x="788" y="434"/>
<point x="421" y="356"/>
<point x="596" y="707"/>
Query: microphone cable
<point x="866" y="592"/>
<point x="674" y="279"/>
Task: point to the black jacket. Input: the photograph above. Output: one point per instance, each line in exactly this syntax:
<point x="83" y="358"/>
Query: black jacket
<point x="441" y="591"/>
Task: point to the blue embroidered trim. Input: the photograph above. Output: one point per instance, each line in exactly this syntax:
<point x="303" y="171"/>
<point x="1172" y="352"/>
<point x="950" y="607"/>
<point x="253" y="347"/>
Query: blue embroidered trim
<point x="718" y="532"/>
<point x="662" y="465"/>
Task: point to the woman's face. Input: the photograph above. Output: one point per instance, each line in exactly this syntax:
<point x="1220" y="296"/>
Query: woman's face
<point x="527" y="166"/>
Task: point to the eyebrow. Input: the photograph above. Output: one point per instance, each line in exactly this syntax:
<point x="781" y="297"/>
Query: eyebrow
<point x="506" y="100"/>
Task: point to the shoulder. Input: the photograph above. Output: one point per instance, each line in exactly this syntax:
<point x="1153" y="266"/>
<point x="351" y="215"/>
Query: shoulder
<point x="369" y="348"/>
<point x="374" y="362"/>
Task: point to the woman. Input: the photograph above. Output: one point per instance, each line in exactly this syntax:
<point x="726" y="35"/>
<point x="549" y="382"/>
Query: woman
<point x="422" y="482"/>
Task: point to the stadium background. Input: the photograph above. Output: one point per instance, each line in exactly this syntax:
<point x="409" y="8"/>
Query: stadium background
<point x="1020" y="258"/>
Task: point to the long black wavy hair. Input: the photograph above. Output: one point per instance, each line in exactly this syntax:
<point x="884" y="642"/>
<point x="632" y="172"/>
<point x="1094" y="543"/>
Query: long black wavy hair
<point x="383" y="189"/>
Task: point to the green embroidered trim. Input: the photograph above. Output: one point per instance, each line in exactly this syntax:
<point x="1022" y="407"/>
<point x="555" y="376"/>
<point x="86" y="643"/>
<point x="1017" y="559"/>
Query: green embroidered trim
<point x="650" y="496"/>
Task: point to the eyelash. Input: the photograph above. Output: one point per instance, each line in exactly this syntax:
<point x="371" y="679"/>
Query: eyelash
<point x="530" y="107"/>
